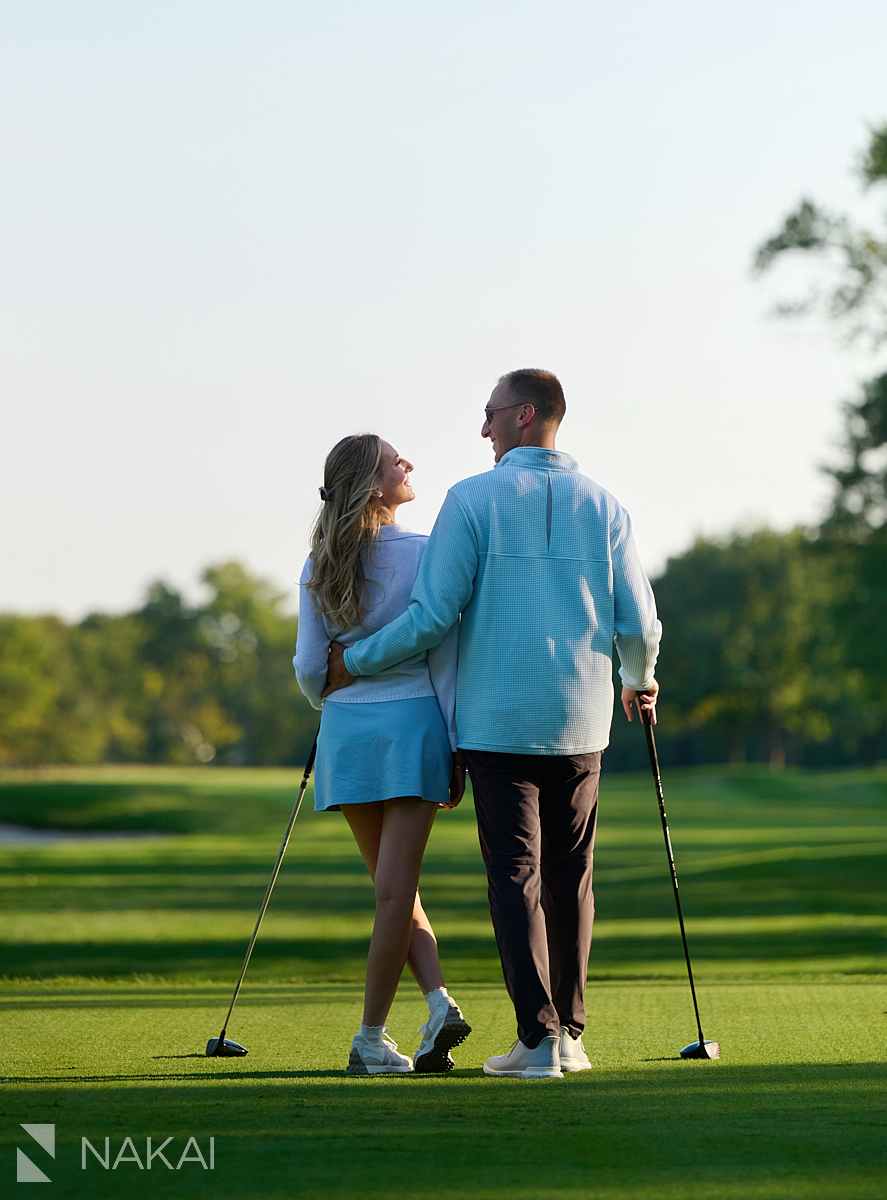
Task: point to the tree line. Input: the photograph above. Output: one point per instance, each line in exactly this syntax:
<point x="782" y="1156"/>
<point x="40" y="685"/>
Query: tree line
<point x="773" y="652"/>
<point x="774" y="647"/>
<point x="171" y="682"/>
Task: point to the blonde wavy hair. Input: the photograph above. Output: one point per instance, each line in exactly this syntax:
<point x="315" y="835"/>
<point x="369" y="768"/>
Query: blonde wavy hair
<point x="347" y="524"/>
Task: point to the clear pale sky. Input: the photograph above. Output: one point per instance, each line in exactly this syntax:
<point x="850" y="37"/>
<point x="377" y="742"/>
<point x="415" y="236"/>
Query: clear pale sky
<point x="234" y="232"/>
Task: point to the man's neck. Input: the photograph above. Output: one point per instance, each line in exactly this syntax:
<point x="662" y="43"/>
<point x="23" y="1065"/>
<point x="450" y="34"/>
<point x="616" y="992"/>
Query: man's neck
<point x="542" y="439"/>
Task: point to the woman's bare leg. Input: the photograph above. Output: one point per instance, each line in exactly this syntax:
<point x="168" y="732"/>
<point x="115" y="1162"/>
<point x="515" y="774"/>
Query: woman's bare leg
<point x="391" y="836"/>
<point x="423" y="959"/>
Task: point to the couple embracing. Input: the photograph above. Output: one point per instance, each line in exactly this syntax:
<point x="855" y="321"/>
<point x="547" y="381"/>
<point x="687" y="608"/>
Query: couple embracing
<point x="488" y="647"/>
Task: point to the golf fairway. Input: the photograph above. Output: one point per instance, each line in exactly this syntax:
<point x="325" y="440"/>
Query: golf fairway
<point x="133" y="948"/>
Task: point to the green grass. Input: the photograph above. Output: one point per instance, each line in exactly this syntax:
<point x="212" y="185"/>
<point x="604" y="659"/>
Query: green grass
<point x="120" y="957"/>
<point x="794" y="1109"/>
<point x="778" y="873"/>
<point x="140" y="799"/>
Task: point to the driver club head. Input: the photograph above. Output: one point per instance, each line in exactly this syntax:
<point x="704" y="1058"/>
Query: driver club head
<point x="224" y="1048"/>
<point x="702" y="1050"/>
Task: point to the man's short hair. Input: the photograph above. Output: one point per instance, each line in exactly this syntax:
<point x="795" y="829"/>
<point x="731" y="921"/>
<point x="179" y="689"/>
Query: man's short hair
<point x="539" y="388"/>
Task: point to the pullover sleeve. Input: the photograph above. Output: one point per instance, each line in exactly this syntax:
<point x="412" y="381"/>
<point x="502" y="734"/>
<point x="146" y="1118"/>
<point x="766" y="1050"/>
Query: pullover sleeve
<point x="636" y="628"/>
<point x="442" y="589"/>
<point x="443" y="663"/>
<point x="312" y="644"/>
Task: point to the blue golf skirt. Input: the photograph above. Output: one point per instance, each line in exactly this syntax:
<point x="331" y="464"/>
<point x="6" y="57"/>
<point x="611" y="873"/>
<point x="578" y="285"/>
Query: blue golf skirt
<point x="379" y="751"/>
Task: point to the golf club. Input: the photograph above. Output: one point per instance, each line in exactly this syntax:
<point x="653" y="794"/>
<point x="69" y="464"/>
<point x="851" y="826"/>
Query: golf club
<point x="702" y="1048"/>
<point x="223" y="1047"/>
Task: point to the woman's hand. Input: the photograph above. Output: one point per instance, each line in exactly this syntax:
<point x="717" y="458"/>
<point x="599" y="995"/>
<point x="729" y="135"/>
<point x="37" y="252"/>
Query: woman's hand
<point x="457" y="780"/>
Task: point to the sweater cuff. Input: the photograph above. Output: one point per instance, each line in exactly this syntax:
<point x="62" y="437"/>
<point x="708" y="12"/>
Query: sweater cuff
<point x="628" y="682"/>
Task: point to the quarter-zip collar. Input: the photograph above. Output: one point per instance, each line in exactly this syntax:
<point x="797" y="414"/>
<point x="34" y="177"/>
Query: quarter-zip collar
<point x="538" y="458"/>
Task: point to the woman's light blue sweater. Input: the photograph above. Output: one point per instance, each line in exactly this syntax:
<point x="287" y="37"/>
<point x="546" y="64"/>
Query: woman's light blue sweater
<point x="390" y="571"/>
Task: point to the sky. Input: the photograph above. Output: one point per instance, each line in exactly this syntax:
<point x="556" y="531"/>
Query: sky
<point x="234" y="232"/>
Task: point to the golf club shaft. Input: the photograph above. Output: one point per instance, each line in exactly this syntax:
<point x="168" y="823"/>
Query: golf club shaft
<point x="654" y="766"/>
<point x="271" y="881"/>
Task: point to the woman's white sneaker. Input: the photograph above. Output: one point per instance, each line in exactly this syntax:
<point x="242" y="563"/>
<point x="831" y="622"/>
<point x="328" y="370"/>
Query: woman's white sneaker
<point x="572" y="1052"/>
<point x="375" y="1053"/>
<point x="444" y="1029"/>
<point x="543" y="1062"/>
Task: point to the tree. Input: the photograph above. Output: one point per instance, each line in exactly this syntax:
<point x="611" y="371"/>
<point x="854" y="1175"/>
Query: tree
<point x="184" y="721"/>
<point x="106" y="661"/>
<point x="748" y="654"/>
<point x="857" y="296"/>
<point x="855" y="529"/>
<point x="31" y="681"/>
<point x="220" y="674"/>
<point x="170" y="682"/>
<point x="860" y="501"/>
<point x="65" y="691"/>
<point x="252" y="641"/>
<point x="857" y="300"/>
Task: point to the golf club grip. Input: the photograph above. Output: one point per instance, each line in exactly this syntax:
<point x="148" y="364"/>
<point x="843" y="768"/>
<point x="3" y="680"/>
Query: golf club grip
<point x="309" y="766"/>
<point x="657" y="779"/>
<point x="651" y="747"/>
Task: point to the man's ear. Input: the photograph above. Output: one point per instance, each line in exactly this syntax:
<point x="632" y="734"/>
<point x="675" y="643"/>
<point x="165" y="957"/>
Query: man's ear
<point x="525" y="416"/>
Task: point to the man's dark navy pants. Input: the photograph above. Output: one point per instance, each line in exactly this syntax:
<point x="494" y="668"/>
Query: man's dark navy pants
<point x="536" y="818"/>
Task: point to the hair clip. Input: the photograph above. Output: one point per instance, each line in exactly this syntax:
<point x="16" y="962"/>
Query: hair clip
<point x="325" y="494"/>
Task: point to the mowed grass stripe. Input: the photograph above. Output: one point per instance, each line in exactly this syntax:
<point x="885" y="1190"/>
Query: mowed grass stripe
<point x="761" y="886"/>
<point x="168" y="925"/>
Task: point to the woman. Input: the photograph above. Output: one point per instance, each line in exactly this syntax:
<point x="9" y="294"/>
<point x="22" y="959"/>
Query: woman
<point x="385" y="753"/>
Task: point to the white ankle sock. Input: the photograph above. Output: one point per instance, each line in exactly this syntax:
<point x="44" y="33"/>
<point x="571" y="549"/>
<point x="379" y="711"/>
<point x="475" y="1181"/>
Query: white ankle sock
<point x="437" y="995"/>
<point x="372" y="1033"/>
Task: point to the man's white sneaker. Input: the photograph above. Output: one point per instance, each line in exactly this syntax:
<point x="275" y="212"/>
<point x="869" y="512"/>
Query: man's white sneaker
<point x="520" y="1062"/>
<point x="444" y="1029"/>
<point x="572" y="1052"/>
<point x="377" y="1056"/>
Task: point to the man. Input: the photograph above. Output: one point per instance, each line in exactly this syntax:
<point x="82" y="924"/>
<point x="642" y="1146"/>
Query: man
<point x="540" y="563"/>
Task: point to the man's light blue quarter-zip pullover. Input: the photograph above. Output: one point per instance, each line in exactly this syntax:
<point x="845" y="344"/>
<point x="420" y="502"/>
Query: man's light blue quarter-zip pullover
<point x="540" y="563"/>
